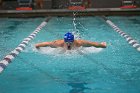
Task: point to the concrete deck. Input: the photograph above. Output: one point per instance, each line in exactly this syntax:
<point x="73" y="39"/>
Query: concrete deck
<point x="66" y="12"/>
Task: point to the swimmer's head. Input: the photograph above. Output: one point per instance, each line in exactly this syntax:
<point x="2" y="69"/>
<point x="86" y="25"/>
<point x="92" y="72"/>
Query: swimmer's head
<point x="69" y="37"/>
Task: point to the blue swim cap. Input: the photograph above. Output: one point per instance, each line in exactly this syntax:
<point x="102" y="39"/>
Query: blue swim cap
<point x="68" y="37"/>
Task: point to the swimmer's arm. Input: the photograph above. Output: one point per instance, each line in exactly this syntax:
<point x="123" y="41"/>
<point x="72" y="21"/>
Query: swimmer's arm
<point x="43" y="44"/>
<point x="95" y="44"/>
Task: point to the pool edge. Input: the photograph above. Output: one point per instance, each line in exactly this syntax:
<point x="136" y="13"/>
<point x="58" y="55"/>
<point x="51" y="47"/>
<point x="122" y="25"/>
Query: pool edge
<point x="66" y="12"/>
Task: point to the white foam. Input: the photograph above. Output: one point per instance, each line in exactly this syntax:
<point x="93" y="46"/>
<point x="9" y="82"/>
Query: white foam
<point x="1" y="69"/>
<point x="61" y="51"/>
<point x="92" y="50"/>
<point x="31" y="48"/>
<point x="76" y="34"/>
<point x="138" y="49"/>
<point x="51" y="51"/>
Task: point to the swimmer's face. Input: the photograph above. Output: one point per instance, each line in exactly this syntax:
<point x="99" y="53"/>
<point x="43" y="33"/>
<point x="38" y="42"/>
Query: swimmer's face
<point x="69" y="45"/>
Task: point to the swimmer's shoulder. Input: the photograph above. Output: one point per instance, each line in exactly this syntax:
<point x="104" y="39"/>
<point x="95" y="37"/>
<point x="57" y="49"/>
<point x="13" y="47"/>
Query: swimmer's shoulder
<point x="78" y="42"/>
<point x="58" y="42"/>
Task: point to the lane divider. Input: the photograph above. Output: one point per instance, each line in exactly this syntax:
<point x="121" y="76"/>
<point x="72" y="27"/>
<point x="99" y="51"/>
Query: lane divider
<point x="128" y="38"/>
<point x="8" y="59"/>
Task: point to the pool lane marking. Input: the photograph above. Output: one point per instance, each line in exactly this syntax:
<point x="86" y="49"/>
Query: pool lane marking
<point x="128" y="38"/>
<point x="8" y="58"/>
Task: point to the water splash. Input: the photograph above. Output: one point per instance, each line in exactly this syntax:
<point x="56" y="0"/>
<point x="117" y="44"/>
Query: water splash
<point x="67" y="53"/>
<point x="75" y="31"/>
<point x="61" y="51"/>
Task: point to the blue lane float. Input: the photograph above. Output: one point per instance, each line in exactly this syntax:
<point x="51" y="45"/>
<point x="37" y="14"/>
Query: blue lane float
<point x="8" y="58"/>
<point x="128" y="38"/>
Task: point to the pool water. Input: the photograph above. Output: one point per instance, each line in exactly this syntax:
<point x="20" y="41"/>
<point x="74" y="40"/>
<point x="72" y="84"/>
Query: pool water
<point x="13" y="31"/>
<point x="115" y="69"/>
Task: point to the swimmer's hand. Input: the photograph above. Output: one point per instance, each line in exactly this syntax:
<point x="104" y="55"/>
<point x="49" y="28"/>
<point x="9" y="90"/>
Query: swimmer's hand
<point x="104" y="44"/>
<point x="37" y="47"/>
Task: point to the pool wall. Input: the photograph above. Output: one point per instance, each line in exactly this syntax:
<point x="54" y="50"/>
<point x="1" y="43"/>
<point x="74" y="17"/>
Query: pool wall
<point x="66" y="12"/>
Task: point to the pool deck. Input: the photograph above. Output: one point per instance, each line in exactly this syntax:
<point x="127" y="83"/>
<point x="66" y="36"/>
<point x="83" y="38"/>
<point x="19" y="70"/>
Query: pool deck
<point x="66" y="12"/>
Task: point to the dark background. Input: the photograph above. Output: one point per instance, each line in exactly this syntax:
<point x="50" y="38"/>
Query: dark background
<point x="60" y="4"/>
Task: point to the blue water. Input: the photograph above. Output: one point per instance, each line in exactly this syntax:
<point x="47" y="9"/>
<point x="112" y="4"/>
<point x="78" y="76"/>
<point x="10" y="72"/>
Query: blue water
<point x="13" y="31"/>
<point x="115" y="69"/>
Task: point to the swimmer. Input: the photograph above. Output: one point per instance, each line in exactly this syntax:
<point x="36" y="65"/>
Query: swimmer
<point x="69" y="43"/>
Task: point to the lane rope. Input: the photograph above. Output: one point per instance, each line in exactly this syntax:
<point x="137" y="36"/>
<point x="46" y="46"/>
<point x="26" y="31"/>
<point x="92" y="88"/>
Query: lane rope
<point x="8" y="58"/>
<point x="128" y="38"/>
